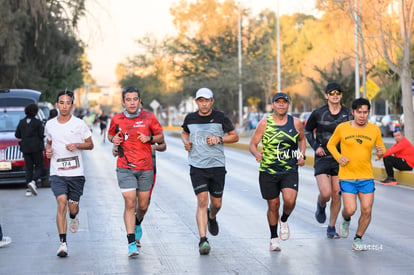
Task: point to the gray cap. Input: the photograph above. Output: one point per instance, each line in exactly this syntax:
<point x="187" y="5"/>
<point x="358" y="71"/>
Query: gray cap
<point x="281" y="95"/>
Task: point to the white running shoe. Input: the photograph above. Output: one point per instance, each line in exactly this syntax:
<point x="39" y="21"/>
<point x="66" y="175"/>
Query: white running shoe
<point x="63" y="250"/>
<point x="74" y="225"/>
<point x="32" y="186"/>
<point x="28" y="193"/>
<point x="284" y="232"/>
<point x="344" y="228"/>
<point x="274" y="244"/>
<point x="5" y="241"/>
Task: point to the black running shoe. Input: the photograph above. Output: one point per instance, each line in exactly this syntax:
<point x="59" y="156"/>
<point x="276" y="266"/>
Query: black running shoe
<point x="320" y="213"/>
<point x="212" y="224"/>
<point x="204" y="247"/>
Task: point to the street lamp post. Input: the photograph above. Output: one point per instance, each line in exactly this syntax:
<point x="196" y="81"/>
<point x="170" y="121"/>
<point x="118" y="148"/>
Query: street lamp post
<point x="240" y="71"/>
<point x="279" y="88"/>
<point x="356" y="25"/>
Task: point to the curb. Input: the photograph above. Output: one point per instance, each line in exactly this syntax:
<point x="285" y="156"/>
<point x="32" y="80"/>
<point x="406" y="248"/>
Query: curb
<point x="403" y="177"/>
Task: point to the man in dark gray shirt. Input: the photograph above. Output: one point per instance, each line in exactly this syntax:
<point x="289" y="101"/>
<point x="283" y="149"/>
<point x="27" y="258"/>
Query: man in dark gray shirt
<point x="318" y="129"/>
<point x="203" y="136"/>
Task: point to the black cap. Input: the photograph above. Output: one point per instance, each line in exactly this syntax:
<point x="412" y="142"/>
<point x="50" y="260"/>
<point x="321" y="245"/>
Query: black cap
<point x="281" y="95"/>
<point x="332" y="86"/>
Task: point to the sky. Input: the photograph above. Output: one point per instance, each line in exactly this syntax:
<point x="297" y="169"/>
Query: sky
<point x="111" y="27"/>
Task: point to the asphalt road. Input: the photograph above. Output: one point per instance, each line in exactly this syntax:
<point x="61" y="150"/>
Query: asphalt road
<point x="170" y="239"/>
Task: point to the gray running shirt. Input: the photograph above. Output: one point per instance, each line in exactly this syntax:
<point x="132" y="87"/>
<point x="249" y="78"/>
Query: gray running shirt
<point x="199" y="127"/>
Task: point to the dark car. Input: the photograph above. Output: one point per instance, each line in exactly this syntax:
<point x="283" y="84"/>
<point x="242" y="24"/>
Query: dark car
<point x="46" y="107"/>
<point x="18" y="97"/>
<point x="12" y="165"/>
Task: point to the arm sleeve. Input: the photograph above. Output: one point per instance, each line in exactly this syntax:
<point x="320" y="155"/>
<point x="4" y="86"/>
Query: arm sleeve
<point x="42" y="130"/>
<point x="156" y="127"/>
<point x="18" y="134"/>
<point x="379" y="141"/>
<point x="394" y="149"/>
<point x="333" y="141"/>
<point x="227" y="124"/>
<point x="309" y="128"/>
<point x="112" y="130"/>
<point x="184" y="126"/>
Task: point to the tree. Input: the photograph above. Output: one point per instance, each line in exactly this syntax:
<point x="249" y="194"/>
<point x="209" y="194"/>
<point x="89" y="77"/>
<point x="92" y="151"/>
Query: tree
<point x="38" y="46"/>
<point x="402" y="64"/>
<point x="336" y="73"/>
<point x="392" y="35"/>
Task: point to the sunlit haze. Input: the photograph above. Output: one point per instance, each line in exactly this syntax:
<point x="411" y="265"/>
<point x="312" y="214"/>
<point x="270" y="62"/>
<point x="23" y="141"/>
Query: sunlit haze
<point x="111" y="27"/>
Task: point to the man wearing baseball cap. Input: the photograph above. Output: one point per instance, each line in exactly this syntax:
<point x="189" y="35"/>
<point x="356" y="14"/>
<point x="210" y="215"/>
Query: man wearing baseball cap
<point x="399" y="156"/>
<point x="318" y="129"/>
<point x="284" y="147"/>
<point x="204" y="133"/>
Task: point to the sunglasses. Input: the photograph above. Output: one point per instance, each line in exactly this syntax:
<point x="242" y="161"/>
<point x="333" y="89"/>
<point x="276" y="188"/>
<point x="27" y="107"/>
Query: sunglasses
<point x="334" y="92"/>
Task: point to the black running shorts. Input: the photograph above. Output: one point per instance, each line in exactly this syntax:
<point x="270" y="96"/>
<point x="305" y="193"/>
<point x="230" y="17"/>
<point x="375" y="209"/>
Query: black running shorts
<point x="272" y="184"/>
<point x="208" y="179"/>
<point x="326" y="165"/>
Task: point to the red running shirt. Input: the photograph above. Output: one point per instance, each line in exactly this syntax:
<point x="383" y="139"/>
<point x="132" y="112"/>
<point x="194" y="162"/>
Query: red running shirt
<point x="133" y="154"/>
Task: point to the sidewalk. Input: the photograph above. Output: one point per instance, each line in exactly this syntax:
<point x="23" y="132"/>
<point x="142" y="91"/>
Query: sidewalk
<point x="402" y="177"/>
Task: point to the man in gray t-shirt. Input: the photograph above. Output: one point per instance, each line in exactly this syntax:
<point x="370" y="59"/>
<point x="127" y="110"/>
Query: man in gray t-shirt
<point x="204" y="133"/>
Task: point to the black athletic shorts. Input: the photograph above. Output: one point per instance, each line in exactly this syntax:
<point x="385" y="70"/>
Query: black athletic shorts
<point x="208" y="179"/>
<point x="326" y="165"/>
<point x="71" y="186"/>
<point x="272" y="184"/>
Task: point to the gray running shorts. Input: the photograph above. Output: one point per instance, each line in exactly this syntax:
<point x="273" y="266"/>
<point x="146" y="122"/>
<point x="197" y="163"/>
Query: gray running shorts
<point x="71" y="186"/>
<point x="132" y="179"/>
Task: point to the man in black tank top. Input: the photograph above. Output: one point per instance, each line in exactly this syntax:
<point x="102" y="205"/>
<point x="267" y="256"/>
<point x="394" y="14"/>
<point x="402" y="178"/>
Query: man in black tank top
<point x="318" y="129"/>
<point x="284" y="146"/>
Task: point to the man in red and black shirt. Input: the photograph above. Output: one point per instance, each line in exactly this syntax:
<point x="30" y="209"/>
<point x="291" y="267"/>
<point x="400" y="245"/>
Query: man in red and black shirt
<point x="133" y="131"/>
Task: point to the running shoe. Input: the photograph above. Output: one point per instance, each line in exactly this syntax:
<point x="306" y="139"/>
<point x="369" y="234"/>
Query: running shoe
<point x="320" y="213"/>
<point x="284" y="232"/>
<point x="138" y="234"/>
<point x="28" y="193"/>
<point x="274" y="245"/>
<point x="138" y="243"/>
<point x="389" y="181"/>
<point x="358" y="245"/>
<point x="344" y="228"/>
<point x="63" y="250"/>
<point x="132" y="249"/>
<point x="5" y="241"/>
<point x="74" y="225"/>
<point x="331" y="233"/>
<point x="212" y="224"/>
<point x="32" y="186"/>
<point x="204" y="247"/>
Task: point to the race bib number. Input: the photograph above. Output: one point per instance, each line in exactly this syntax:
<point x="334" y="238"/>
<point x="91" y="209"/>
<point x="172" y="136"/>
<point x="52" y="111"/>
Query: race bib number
<point x="68" y="163"/>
